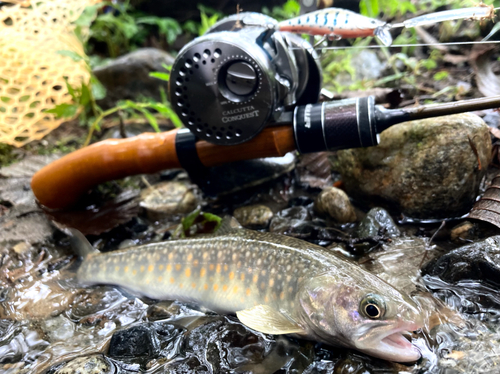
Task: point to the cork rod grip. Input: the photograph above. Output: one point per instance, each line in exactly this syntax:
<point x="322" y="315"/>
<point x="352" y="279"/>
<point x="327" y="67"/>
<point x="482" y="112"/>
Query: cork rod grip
<point x="61" y="183"/>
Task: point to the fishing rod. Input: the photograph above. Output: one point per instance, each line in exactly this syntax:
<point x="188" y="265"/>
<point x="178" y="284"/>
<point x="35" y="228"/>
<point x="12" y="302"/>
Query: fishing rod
<point x="242" y="93"/>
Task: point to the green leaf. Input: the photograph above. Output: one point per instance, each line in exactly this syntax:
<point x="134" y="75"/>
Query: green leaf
<point x="159" y="75"/>
<point x="441" y="75"/>
<point x="168" y="113"/>
<point x="209" y="217"/>
<point x="85" y="97"/>
<point x="73" y="55"/>
<point x="98" y="90"/>
<point x="188" y="221"/>
<point x="64" y="110"/>
<point x="88" y="15"/>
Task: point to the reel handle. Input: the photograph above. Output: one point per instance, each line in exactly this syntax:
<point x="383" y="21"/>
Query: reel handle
<point x="61" y="183"/>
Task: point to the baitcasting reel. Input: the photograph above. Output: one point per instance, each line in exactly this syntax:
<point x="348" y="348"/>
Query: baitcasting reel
<point x="230" y="83"/>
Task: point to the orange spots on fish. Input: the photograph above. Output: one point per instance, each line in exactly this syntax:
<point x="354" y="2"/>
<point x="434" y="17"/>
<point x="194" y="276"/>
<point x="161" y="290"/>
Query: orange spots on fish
<point x="193" y="285"/>
<point x="266" y="299"/>
<point x="242" y="276"/>
<point x="211" y="267"/>
<point x="117" y="268"/>
<point x="181" y="285"/>
<point x="172" y="280"/>
<point x="216" y="287"/>
<point x="248" y="291"/>
<point x="170" y="256"/>
<point x="134" y="272"/>
<point x="235" y="289"/>
<point x="224" y="288"/>
<point x="142" y="269"/>
<point x="169" y="267"/>
<point x="195" y="263"/>
<point x="205" y="255"/>
<point x="282" y="296"/>
<point x="161" y="267"/>
<point x="151" y="268"/>
<point x="263" y="273"/>
<point x="205" y="286"/>
<point x="225" y="267"/>
<point x="218" y="269"/>
<point x="255" y="278"/>
<point x="188" y="272"/>
<point x="160" y="279"/>
<point x="290" y="289"/>
<point x="263" y="285"/>
<point x="125" y="269"/>
<point x="178" y="267"/>
<point x="190" y="257"/>
<point x="231" y="275"/>
<point x="271" y="282"/>
<point x="238" y="265"/>
<point x="202" y="272"/>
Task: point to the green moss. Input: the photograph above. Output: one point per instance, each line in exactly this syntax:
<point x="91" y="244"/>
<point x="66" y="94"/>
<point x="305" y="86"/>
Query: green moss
<point x="7" y="156"/>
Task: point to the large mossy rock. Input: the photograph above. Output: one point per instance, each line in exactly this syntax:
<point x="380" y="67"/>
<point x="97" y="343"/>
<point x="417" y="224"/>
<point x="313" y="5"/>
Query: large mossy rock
<point x="425" y="169"/>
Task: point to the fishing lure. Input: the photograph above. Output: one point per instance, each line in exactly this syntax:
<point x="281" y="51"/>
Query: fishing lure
<point x="338" y="23"/>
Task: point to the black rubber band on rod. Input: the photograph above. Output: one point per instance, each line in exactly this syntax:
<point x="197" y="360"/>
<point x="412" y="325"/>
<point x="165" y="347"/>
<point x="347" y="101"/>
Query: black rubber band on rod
<point x="185" y="147"/>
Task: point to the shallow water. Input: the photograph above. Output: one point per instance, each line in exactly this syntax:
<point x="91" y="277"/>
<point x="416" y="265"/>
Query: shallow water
<point x="47" y="320"/>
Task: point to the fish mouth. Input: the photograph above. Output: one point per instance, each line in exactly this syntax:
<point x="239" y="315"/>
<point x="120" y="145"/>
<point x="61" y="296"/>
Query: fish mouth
<point x="392" y="345"/>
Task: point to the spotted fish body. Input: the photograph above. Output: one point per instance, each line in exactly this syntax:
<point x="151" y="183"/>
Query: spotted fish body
<point x="338" y="22"/>
<point x="275" y="284"/>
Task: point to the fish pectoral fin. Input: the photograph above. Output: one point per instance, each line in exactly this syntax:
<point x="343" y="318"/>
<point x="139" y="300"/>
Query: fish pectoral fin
<point x="265" y="319"/>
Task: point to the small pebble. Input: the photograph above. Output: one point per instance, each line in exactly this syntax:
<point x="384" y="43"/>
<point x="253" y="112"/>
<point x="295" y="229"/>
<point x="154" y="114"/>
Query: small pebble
<point x="168" y="198"/>
<point x="335" y="203"/>
<point x="254" y="216"/>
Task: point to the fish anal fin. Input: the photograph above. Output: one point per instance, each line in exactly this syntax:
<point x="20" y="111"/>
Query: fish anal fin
<point x="265" y="319"/>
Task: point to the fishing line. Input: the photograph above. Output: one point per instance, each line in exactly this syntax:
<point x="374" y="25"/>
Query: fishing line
<point x="409" y="45"/>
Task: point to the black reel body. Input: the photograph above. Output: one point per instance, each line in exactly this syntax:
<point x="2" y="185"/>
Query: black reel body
<point x="230" y="83"/>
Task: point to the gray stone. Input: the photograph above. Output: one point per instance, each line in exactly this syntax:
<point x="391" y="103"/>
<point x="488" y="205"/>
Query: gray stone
<point x="58" y="328"/>
<point x="376" y="219"/>
<point x="254" y="216"/>
<point x="426" y="169"/>
<point x="335" y="203"/>
<point x="127" y="77"/>
<point x="168" y="198"/>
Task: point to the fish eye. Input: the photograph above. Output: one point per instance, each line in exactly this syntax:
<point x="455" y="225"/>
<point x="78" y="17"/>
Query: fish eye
<point x="372" y="306"/>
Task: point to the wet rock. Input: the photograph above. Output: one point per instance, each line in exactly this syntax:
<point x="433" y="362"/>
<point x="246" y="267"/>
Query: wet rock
<point x="463" y="232"/>
<point x="127" y="77"/>
<point x="425" y="169"/>
<point x="168" y="198"/>
<point x="253" y="216"/>
<point x="288" y="219"/>
<point x="135" y="342"/>
<point x="376" y="222"/>
<point x="478" y="261"/>
<point x="335" y="202"/>
<point x="94" y="364"/>
<point x="58" y="328"/>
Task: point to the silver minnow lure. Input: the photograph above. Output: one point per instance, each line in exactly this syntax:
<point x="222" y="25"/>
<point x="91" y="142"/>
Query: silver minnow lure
<point x="275" y="284"/>
<point x="340" y="23"/>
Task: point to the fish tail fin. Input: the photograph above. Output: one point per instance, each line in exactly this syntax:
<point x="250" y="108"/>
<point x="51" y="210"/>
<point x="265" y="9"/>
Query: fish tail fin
<point x="79" y="243"/>
<point x="383" y="34"/>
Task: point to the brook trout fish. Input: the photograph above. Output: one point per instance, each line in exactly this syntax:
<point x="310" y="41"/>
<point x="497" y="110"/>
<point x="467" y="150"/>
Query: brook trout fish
<point x="274" y="284"/>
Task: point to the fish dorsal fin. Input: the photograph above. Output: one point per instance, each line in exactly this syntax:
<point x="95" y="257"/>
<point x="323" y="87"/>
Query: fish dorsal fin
<point x="79" y="243"/>
<point x="265" y="319"/>
<point x="228" y="224"/>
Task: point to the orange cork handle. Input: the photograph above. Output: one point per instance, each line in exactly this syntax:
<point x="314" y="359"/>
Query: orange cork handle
<point x="61" y="183"/>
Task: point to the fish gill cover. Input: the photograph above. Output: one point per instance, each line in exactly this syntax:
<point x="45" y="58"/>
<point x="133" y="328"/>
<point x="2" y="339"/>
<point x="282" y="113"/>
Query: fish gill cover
<point x="32" y="69"/>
